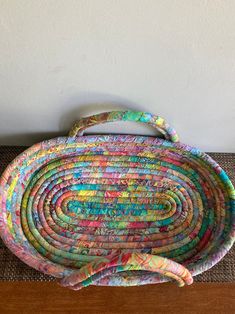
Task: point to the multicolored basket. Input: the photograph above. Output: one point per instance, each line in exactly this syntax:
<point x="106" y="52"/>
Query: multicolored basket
<point x="117" y="210"/>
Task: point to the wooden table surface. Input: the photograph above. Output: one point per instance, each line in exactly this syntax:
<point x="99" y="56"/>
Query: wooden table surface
<point x="49" y="297"/>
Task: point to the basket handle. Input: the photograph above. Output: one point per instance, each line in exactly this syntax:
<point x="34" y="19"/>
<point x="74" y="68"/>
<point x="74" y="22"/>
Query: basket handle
<point x="135" y="116"/>
<point x="94" y="271"/>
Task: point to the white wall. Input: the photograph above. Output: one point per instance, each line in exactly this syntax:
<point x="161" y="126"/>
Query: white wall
<point x="61" y="59"/>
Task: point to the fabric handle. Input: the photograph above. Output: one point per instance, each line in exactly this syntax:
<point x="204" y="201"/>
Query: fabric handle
<point x="134" y="116"/>
<point x="96" y="270"/>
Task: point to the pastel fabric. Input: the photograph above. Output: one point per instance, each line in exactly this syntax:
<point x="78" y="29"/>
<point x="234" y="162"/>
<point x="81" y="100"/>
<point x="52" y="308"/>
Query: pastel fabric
<point x="117" y="209"/>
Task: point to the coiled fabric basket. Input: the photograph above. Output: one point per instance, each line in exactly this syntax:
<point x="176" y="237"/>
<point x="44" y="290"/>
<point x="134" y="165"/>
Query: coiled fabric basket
<point x="117" y="209"/>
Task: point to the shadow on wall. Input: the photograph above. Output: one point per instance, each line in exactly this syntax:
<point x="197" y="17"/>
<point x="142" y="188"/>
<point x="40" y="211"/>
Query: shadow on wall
<point x="79" y="111"/>
<point x="19" y="139"/>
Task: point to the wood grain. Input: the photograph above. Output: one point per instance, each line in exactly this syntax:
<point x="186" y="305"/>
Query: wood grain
<point x="49" y="297"/>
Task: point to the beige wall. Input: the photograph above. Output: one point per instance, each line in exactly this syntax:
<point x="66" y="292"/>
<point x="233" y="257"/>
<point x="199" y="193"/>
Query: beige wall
<point x="61" y="59"/>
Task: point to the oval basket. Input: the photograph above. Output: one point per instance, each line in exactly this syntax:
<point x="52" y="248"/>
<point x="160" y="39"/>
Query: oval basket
<point x="117" y="209"/>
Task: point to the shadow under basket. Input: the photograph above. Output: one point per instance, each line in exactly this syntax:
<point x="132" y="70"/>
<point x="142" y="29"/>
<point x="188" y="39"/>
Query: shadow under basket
<point x="117" y="210"/>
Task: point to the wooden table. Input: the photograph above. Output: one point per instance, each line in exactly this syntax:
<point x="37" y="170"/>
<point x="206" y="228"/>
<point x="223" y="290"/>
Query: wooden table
<point x="49" y="297"/>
